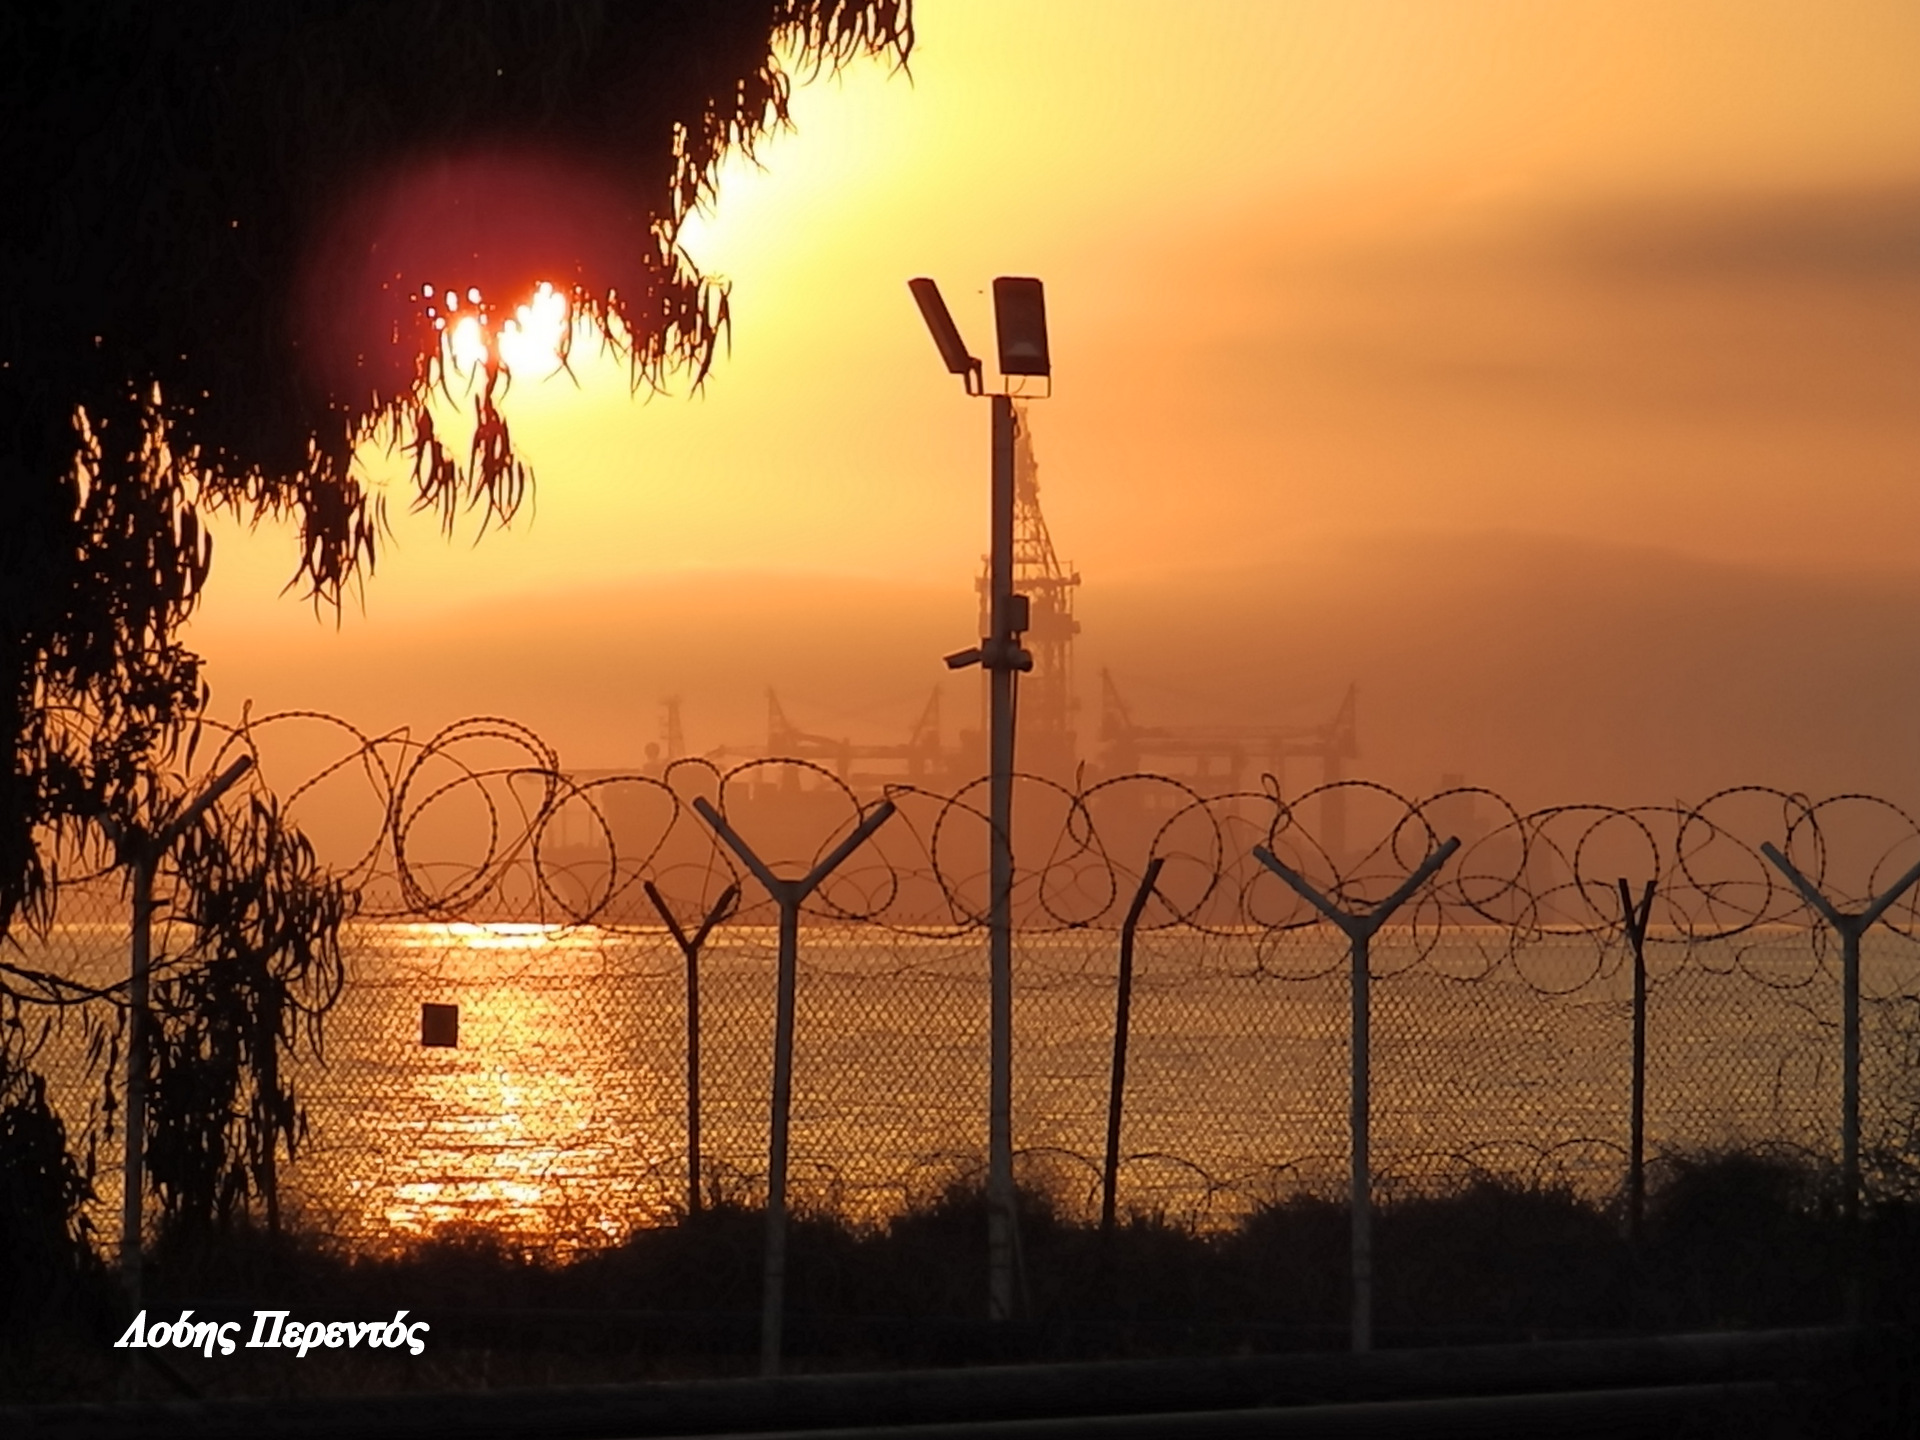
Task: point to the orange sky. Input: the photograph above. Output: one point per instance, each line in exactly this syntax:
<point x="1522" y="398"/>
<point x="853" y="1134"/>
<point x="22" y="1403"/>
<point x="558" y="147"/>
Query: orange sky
<point x="1592" y="274"/>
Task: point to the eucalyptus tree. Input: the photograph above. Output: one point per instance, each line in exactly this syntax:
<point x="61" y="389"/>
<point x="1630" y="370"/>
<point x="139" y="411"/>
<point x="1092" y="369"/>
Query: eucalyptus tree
<point x="232" y="231"/>
<point x="232" y="234"/>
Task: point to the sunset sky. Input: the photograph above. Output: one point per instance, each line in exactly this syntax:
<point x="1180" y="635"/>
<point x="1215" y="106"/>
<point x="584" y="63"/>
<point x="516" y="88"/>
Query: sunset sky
<point x="1366" y="317"/>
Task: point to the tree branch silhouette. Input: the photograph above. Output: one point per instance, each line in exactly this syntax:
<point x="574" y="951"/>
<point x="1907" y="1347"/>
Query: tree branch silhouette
<point x="203" y="200"/>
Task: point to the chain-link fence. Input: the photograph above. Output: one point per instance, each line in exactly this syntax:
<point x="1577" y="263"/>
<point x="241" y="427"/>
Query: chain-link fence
<point x="1502" y="1010"/>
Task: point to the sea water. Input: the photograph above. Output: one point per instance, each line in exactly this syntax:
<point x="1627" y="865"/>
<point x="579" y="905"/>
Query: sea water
<point x="561" y="1116"/>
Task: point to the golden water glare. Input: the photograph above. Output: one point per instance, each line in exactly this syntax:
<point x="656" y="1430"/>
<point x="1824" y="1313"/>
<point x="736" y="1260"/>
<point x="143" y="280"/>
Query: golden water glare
<point x="559" y="1119"/>
<point x="527" y="1123"/>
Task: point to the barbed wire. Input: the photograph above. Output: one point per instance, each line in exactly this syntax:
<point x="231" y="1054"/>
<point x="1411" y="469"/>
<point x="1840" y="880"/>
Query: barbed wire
<point x="1082" y="847"/>
<point x="1496" y="982"/>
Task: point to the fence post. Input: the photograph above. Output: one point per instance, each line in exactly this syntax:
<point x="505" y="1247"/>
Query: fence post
<point x="1122" y="1011"/>
<point x="1360" y="930"/>
<point x="1849" y="927"/>
<point x="690" y="949"/>
<point x="1634" y="919"/>
<point x="133" y="1171"/>
<point x="141" y="852"/>
<point x="788" y="895"/>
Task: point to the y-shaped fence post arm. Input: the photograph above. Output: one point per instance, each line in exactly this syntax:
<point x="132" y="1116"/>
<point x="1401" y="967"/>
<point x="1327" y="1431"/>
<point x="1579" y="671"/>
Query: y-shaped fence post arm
<point x="776" y="887"/>
<point x="690" y="952"/>
<point x="1879" y="907"/>
<point x="1382" y="912"/>
<point x="202" y="802"/>
<point x="1359" y="930"/>
<point x="1809" y="892"/>
<point x="1850" y="928"/>
<point x="788" y="894"/>
<point x="1305" y="889"/>
<point x="875" y="818"/>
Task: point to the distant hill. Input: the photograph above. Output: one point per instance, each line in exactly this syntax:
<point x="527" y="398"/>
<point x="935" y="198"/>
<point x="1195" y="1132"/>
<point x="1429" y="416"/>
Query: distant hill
<point x="1551" y="669"/>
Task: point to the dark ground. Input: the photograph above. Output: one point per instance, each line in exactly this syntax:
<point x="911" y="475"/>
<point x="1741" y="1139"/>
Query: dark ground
<point x="1729" y="1242"/>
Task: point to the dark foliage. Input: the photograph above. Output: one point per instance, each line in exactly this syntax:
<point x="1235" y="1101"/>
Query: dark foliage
<point x="43" y="1235"/>
<point x="1493" y="1262"/>
<point x="220" y="221"/>
<point x="1748" y="1238"/>
<point x="264" y="967"/>
<point x="1501" y="1259"/>
<point x="1895" y="1162"/>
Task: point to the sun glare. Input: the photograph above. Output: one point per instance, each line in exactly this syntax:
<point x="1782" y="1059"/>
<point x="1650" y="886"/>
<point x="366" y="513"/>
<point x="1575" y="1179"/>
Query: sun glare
<point x="466" y="344"/>
<point x="495" y="935"/>
<point x="531" y="342"/>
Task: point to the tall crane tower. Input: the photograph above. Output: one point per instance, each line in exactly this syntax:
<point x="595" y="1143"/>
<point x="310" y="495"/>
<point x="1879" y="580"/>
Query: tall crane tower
<point x="1046" y="742"/>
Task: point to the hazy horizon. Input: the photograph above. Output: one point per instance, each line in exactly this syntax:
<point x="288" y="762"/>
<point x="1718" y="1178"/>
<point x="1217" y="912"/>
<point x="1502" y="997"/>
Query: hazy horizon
<point x="1555" y="671"/>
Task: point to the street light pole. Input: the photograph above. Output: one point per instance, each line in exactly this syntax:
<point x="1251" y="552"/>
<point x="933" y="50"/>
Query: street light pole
<point x="1002" y="653"/>
<point x="1021" y="327"/>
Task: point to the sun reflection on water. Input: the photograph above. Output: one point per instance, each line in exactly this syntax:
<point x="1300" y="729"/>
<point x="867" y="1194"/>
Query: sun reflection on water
<point x="502" y="935"/>
<point x="536" y="1123"/>
<point x="559" y="1120"/>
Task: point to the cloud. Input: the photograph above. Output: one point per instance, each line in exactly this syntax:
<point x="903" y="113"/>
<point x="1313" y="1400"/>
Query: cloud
<point x="1847" y="237"/>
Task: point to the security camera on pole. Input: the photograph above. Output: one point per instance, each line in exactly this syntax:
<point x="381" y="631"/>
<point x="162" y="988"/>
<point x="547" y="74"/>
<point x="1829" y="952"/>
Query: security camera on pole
<point x="1020" y="323"/>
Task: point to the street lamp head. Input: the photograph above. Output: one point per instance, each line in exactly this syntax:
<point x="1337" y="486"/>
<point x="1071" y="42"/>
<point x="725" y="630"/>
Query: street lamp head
<point x="946" y="335"/>
<point x="1020" y="322"/>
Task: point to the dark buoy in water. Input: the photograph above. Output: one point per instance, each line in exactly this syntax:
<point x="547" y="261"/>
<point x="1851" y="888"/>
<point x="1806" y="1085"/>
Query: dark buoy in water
<point x="440" y="1025"/>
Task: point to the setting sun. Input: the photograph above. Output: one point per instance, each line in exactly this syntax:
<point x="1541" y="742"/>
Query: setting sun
<point x="532" y="342"/>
